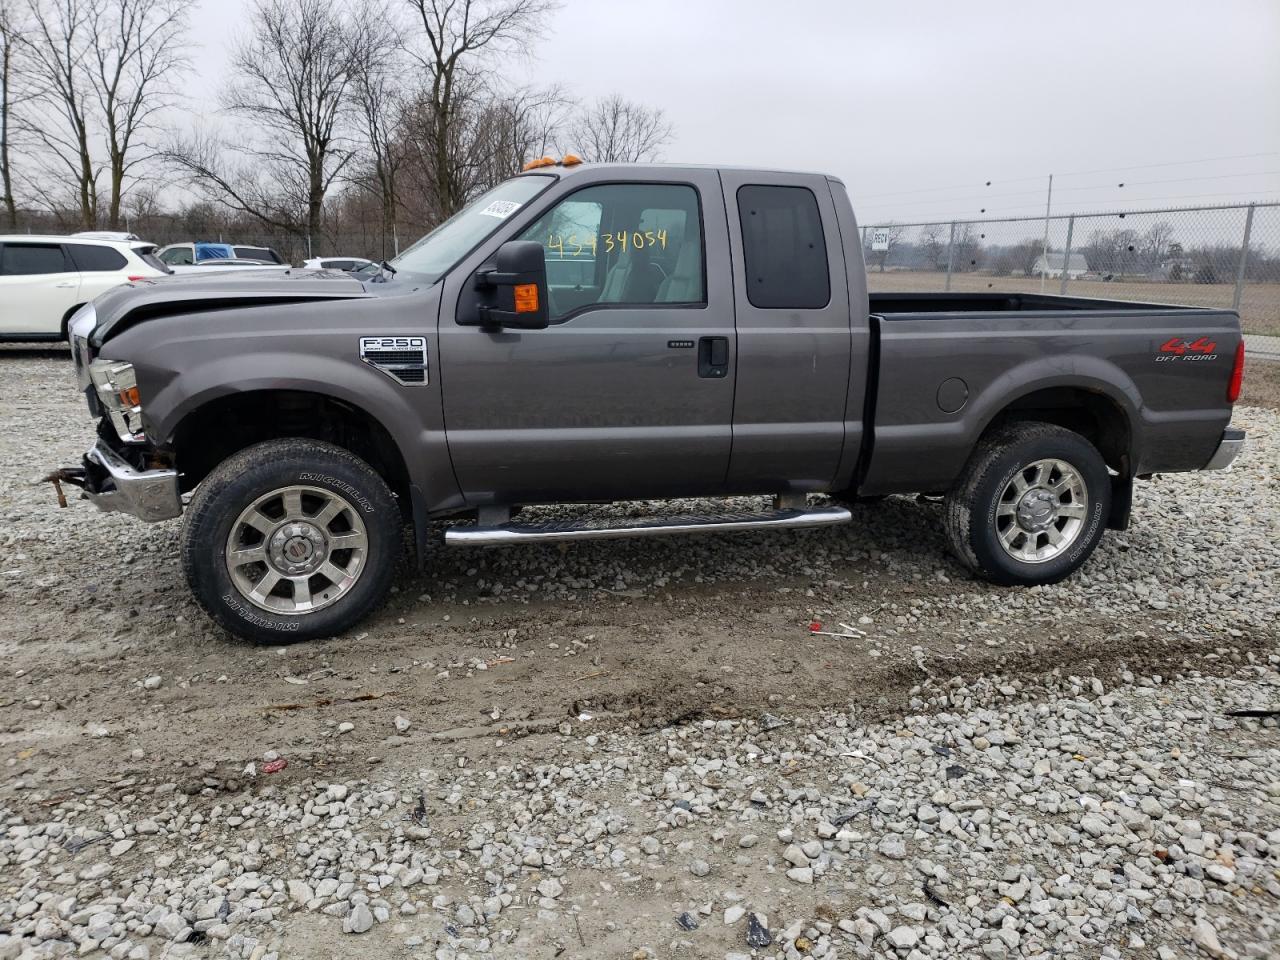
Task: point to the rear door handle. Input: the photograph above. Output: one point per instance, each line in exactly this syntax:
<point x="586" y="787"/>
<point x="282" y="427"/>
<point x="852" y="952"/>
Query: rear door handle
<point x="66" y="283"/>
<point x="713" y="357"/>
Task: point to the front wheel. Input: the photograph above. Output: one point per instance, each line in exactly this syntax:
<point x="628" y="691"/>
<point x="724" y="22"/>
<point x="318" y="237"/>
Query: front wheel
<point x="1030" y="506"/>
<point x="291" y="540"/>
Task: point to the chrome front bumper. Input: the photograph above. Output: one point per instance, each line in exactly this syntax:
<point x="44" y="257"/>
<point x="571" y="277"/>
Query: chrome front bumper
<point x="114" y="485"/>
<point x="1228" y="449"/>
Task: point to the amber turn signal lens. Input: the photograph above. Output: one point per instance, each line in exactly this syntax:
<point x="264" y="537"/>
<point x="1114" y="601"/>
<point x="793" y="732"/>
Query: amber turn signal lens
<point x="526" y="297"/>
<point x="130" y="397"/>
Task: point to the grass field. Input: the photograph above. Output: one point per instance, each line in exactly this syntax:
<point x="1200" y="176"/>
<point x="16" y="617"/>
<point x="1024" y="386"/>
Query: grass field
<point x="1259" y="304"/>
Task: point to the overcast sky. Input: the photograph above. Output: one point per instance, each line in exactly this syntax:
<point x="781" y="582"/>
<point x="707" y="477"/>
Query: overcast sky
<point x="916" y="105"/>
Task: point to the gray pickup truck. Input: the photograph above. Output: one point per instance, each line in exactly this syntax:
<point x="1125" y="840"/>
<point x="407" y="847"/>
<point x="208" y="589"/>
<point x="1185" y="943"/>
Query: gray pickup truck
<point x="587" y="333"/>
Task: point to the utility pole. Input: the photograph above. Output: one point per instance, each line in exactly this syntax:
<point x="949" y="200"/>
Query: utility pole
<point x="1044" y="249"/>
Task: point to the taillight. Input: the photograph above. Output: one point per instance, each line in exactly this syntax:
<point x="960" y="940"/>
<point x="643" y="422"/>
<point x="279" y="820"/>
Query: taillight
<point x="134" y="278"/>
<point x="1237" y="375"/>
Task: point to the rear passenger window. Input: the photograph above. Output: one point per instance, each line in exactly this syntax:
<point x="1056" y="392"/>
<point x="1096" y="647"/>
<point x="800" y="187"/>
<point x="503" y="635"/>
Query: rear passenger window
<point x="622" y="244"/>
<point x="93" y="259"/>
<point x="30" y="259"/>
<point x="783" y="248"/>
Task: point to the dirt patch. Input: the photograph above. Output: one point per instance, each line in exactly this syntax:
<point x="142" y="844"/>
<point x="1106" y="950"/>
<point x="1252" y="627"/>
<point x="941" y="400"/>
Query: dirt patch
<point x="1261" y="385"/>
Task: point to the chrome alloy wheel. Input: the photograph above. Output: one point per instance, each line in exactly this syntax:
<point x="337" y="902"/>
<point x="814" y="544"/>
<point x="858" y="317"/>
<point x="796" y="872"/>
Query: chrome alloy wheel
<point x="1041" y="511"/>
<point x="296" y="550"/>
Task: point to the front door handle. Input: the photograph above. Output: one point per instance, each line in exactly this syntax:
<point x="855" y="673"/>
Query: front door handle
<point x="713" y="357"/>
<point x="66" y="283"/>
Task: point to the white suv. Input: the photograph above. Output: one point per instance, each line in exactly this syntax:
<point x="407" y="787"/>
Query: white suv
<point x="44" y="280"/>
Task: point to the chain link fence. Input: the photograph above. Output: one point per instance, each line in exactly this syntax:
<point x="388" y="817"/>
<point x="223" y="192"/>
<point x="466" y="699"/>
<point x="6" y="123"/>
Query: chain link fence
<point x="357" y="237"/>
<point x="1222" y="256"/>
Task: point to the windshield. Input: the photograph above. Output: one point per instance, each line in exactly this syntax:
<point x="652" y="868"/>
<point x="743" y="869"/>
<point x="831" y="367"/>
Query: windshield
<point x="448" y="243"/>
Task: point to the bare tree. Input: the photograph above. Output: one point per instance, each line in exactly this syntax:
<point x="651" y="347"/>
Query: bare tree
<point x="512" y="130"/>
<point x="966" y="248"/>
<point x="457" y="33"/>
<point x="59" y="44"/>
<point x="13" y="90"/>
<point x="1154" y="244"/>
<point x="379" y="94"/>
<point x="935" y="250"/>
<point x="1026" y="254"/>
<point x="616" y="130"/>
<point x="131" y="78"/>
<point x="291" y="103"/>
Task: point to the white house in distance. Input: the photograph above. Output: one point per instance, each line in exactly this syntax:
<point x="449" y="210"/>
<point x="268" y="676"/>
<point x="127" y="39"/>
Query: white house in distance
<point x="1052" y="266"/>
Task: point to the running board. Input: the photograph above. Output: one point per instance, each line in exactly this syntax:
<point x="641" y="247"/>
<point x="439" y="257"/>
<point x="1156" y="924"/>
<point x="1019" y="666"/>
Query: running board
<point x="651" y="527"/>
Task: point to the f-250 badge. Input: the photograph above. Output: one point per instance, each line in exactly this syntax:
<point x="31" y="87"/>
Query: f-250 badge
<point x="1176" y="348"/>
<point x="403" y="359"/>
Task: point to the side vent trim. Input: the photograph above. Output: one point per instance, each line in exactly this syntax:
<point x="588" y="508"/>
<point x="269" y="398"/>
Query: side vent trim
<point x="403" y="359"/>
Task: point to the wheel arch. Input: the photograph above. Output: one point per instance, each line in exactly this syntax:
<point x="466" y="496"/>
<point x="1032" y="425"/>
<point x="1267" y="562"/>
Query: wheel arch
<point x="66" y="321"/>
<point x="226" y="424"/>
<point x="1094" y="414"/>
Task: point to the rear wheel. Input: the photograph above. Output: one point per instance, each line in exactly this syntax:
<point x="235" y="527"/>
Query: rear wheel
<point x="1031" y="505"/>
<point x="291" y="540"/>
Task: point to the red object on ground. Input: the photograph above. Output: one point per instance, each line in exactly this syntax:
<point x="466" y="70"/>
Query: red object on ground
<point x="275" y="766"/>
<point x="815" y="626"/>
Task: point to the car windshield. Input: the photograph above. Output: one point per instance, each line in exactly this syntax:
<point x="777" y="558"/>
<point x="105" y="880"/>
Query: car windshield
<point x="433" y="255"/>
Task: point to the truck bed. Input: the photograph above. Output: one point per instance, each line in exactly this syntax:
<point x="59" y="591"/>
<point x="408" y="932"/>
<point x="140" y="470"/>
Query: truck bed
<point x="896" y="306"/>
<point x="1152" y="378"/>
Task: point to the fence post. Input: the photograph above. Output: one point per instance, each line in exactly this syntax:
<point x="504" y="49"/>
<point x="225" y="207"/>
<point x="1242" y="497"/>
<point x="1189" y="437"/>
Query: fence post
<point x="1066" y="256"/>
<point x="951" y="246"/>
<point x="308" y="246"/>
<point x="1244" y="259"/>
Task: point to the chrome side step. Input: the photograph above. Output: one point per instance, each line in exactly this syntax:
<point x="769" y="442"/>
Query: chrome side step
<point x="799" y="519"/>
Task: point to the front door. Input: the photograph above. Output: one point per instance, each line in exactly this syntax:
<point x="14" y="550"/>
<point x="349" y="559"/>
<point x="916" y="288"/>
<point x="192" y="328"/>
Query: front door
<point x="38" y="285"/>
<point x="629" y="392"/>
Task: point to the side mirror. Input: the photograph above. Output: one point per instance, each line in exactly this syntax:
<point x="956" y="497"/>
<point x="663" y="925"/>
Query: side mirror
<point x="513" y="292"/>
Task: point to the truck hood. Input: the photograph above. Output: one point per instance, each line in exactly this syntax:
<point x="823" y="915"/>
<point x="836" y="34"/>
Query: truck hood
<point x="133" y="303"/>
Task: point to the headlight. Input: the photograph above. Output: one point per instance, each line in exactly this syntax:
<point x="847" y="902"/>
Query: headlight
<point x="117" y="388"/>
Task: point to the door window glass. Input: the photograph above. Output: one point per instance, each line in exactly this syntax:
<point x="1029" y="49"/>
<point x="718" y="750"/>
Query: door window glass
<point x="622" y="244"/>
<point x="783" y="246"/>
<point x="93" y="259"/>
<point x="30" y="259"/>
<point x="178" y="256"/>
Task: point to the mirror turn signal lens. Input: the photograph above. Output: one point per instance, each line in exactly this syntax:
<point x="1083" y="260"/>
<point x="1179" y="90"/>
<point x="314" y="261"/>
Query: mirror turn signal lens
<point x="526" y="297"/>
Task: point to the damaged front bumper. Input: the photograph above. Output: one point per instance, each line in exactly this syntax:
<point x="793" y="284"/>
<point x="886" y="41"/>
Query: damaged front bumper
<point x="114" y="485"/>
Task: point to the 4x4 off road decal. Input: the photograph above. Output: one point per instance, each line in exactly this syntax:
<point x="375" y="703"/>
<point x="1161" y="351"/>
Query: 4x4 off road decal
<point x="1178" y="348"/>
<point x="403" y="359"/>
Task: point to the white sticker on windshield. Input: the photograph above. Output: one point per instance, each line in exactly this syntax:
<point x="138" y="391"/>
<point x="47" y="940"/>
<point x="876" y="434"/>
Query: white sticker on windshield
<point x="500" y="209"/>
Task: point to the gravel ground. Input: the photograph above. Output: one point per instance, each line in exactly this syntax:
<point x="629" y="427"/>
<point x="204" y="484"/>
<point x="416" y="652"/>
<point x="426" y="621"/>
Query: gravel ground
<point x="633" y="748"/>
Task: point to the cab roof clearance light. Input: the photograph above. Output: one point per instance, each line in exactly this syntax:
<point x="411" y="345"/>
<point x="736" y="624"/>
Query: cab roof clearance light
<point x="568" y="160"/>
